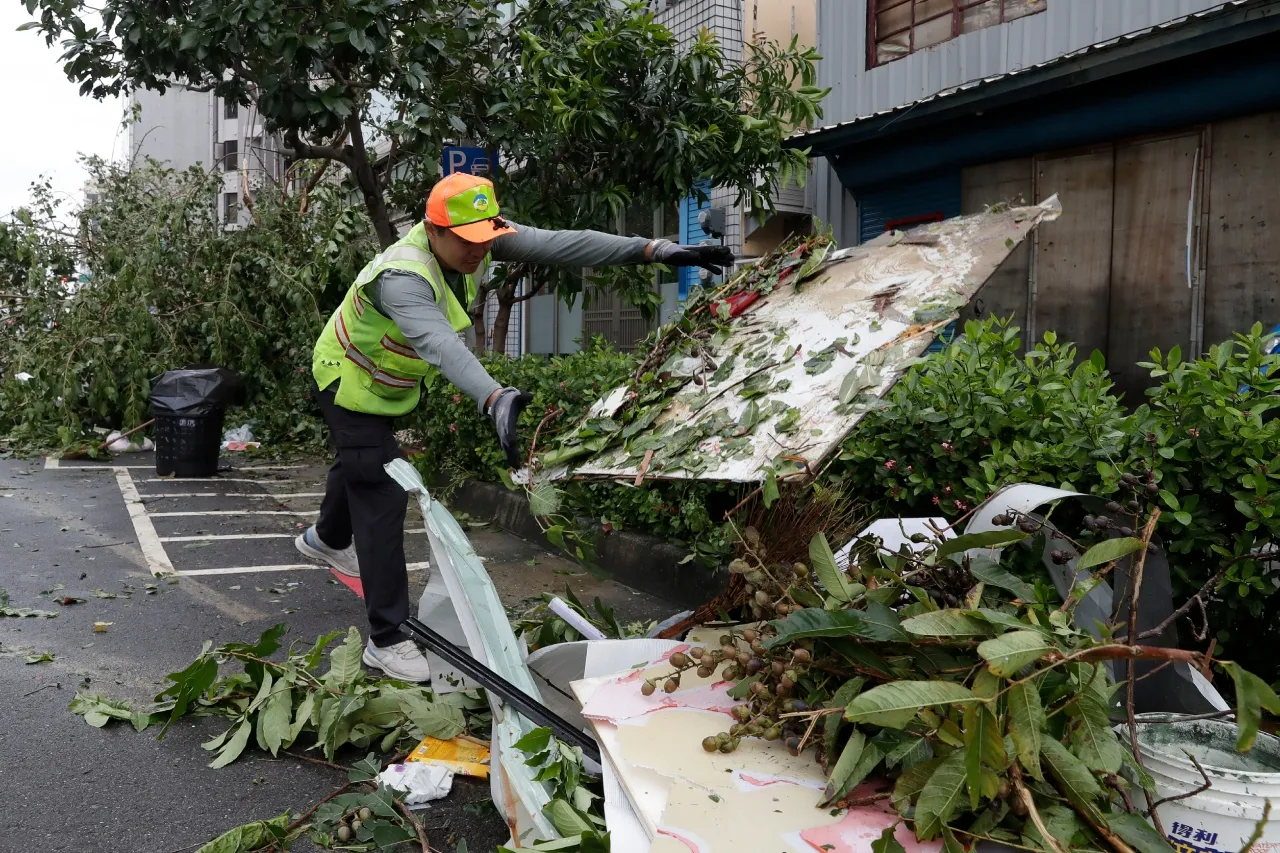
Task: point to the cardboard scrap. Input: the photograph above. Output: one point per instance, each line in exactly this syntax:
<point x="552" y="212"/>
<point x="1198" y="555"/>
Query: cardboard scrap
<point x="463" y="754"/>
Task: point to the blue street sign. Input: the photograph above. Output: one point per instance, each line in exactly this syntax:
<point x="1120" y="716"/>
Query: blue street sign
<point x="473" y="161"/>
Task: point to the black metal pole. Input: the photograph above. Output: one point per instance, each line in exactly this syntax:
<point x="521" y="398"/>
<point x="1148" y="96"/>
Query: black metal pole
<point x="511" y="694"/>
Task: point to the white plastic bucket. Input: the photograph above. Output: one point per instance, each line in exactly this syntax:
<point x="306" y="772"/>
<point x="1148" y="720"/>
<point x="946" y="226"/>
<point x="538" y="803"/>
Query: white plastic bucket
<point x="1222" y="818"/>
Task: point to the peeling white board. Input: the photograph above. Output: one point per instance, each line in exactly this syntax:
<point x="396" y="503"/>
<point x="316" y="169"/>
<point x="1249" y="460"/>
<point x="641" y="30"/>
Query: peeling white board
<point x="817" y="357"/>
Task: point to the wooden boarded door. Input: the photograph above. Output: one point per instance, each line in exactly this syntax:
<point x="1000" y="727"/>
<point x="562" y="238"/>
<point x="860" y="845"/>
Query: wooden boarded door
<point x="1073" y="254"/>
<point x="1005" y="293"/>
<point x="1242" y="283"/>
<point x="1151" y="292"/>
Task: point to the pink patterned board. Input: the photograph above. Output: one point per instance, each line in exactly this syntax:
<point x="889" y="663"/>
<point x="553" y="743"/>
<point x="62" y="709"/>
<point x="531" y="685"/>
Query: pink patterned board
<point x="620" y="697"/>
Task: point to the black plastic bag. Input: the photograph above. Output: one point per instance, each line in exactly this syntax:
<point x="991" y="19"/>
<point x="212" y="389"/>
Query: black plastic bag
<point x="193" y="391"/>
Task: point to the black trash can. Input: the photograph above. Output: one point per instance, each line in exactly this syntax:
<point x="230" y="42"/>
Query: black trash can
<point x="189" y="406"/>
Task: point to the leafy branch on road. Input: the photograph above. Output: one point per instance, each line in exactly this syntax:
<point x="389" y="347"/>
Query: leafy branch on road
<point x="284" y="703"/>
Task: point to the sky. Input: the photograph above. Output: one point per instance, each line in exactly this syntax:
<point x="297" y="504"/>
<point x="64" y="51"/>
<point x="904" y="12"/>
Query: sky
<point x="49" y="123"/>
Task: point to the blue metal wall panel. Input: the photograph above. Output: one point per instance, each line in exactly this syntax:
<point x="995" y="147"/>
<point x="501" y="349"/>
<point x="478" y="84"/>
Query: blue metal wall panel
<point x="907" y="200"/>
<point x="691" y="233"/>
<point x="921" y="197"/>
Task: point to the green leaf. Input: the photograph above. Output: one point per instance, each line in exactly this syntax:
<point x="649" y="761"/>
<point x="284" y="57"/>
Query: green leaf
<point x="434" y="718"/>
<point x="1108" y="551"/>
<point x="344" y="661"/>
<point x="947" y="623"/>
<point x="987" y="539"/>
<point x="824" y="565"/>
<point x="857" y="760"/>
<point x="1134" y="830"/>
<point x="1026" y="723"/>
<point x="911" y="783"/>
<point x="770" y="493"/>
<point x="1008" y="653"/>
<point x="566" y="819"/>
<point x="274" y="719"/>
<point x="1074" y="778"/>
<point x="941" y="796"/>
<point x="991" y="573"/>
<point x="886" y="843"/>
<point x="535" y="741"/>
<point x="831" y="722"/>
<point x="544" y="499"/>
<point x="1092" y="739"/>
<point x="336" y="721"/>
<point x="886" y="704"/>
<point x="1252" y="695"/>
<point x="1061" y="822"/>
<point x="877" y="622"/>
<point x="234" y="746"/>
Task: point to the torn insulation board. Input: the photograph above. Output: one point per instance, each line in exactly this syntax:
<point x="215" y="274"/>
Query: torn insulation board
<point x="778" y="387"/>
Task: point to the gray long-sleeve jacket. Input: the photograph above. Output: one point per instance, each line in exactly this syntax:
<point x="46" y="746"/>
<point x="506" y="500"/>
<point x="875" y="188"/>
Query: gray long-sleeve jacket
<point x="408" y="300"/>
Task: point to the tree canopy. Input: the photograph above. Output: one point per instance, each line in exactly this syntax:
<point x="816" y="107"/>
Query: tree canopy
<point x="592" y="104"/>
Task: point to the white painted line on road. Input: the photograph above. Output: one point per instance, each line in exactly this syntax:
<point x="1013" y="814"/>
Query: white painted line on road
<point x="209" y="481"/>
<point x="148" y="541"/>
<point x="199" y="513"/>
<point x="294" y="567"/>
<point x="233" y="495"/>
<point x="233" y="536"/>
<point x="54" y="462"/>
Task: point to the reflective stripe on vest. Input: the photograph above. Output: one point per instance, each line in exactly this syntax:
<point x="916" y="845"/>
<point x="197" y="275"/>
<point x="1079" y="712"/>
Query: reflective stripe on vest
<point x="367" y="364"/>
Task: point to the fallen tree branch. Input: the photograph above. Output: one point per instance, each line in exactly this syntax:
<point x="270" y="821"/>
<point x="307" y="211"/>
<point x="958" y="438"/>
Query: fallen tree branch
<point x="1135" y="595"/>
<point x="417" y="826"/>
<point x="1206" y="786"/>
<point x="327" y="797"/>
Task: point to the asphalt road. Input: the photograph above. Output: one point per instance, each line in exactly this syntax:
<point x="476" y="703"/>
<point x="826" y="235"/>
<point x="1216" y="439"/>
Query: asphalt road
<point x="69" y="787"/>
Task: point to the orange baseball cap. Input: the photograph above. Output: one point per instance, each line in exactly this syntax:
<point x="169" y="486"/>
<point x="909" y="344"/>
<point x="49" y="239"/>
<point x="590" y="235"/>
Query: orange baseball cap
<point x="467" y="206"/>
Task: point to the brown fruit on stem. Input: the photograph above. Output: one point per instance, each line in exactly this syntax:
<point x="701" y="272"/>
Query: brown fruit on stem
<point x="750" y="635"/>
<point x="679" y="660"/>
<point x="705" y="671"/>
<point x="801" y="656"/>
<point x="762" y="598"/>
<point x="671" y="686"/>
<point x="697" y="652"/>
<point x="782" y="608"/>
<point x="647" y="688"/>
<point x="710" y="744"/>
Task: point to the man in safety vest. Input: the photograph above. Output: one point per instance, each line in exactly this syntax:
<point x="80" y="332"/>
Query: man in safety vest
<point x="397" y="328"/>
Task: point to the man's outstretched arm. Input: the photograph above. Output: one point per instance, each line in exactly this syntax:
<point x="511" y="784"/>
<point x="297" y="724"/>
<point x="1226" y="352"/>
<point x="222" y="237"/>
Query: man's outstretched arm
<point x="597" y="249"/>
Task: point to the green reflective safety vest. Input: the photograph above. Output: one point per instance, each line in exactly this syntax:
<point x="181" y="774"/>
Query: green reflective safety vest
<point x="377" y="370"/>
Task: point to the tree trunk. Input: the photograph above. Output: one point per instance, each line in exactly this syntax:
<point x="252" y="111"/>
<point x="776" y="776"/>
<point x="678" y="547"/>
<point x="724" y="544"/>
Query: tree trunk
<point x="477" y="317"/>
<point x="370" y="186"/>
<point x="502" y="319"/>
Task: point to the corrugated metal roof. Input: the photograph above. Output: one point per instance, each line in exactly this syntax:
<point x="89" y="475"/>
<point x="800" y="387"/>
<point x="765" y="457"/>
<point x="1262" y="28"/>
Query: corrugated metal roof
<point x="1109" y="44"/>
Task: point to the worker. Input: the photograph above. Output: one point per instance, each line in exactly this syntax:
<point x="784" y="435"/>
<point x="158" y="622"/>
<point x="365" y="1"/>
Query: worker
<point x="397" y="327"/>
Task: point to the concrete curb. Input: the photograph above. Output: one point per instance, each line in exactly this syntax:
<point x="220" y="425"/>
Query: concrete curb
<point x="638" y="560"/>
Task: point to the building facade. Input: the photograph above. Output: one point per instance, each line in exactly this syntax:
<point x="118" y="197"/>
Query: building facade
<point x="1156" y="122"/>
<point x="182" y="129"/>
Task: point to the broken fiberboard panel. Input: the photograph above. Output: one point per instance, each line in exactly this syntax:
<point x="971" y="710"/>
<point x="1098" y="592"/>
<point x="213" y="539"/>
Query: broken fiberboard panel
<point x="799" y="370"/>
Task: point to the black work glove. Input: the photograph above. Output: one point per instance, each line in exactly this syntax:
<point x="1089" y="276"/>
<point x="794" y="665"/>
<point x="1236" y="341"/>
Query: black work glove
<point x="505" y="412"/>
<point x="712" y="258"/>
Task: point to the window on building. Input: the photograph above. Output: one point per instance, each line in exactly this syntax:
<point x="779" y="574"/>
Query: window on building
<point x="900" y="27"/>
<point x="230" y="155"/>
<point x="230" y="208"/>
<point x="230" y="109"/>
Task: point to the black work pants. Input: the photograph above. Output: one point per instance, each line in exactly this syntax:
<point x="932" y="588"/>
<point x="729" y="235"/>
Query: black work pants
<point x="361" y="501"/>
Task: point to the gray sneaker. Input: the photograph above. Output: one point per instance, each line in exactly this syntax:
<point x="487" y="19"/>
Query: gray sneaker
<point x="403" y="661"/>
<point x="344" y="560"/>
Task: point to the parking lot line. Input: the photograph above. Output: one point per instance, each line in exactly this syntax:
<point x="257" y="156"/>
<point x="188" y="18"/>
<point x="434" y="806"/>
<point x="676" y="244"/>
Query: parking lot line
<point x="55" y="462"/>
<point x="250" y="496"/>
<point x="232" y="536"/>
<point x="156" y="557"/>
<point x="292" y="567"/>
<point x="198" y="512"/>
